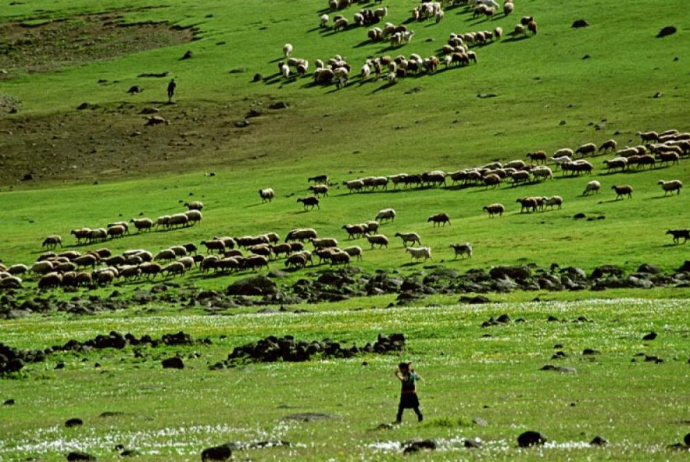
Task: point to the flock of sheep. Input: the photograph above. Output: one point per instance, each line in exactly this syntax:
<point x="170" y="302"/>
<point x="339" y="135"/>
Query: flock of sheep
<point x="456" y="52"/>
<point x="71" y="269"/>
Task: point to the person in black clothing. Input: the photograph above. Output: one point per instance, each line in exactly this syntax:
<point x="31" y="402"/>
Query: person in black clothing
<point x="171" y="90"/>
<point x="408" y="394"/>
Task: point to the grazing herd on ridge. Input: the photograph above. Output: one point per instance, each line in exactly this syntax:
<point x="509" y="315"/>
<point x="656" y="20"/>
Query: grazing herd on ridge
<point x="224" y="254"/>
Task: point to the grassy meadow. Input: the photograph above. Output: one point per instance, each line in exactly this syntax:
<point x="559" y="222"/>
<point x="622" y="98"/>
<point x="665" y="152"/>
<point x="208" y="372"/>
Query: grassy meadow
<point x="561" y="88"/>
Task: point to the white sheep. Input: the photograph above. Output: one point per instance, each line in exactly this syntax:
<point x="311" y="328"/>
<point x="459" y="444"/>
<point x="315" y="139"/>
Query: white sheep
<point x="377" y="239"/>
<point x="285" y="70"/>
<point x="592" y="187"/>
<point x="324" y="20"/>
<point x="385" y="214"/>
<point x="418" y="253"/>
<point x="366" y="71"/>
<point x="671" y="186"/>
<point x="287" y="50"/>
<point x="553" y="200"/>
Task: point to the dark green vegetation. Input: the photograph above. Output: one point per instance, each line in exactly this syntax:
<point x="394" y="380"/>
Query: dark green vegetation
<point x="101" y="164"/>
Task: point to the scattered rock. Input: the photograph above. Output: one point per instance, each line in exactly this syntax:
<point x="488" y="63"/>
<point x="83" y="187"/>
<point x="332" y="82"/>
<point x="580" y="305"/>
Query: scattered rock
<point x="216" y="453"/>
<point x="531" y="438"/>
<point x="257" y="78"/>
<point x="76" y="455"/>
<point x="512" y="272"/>
<point x="149" y="110"/>
<point x="579" y="216"/>
<point x="130" y="453"/>
<point x="476" y="300"/>
<point x="241" y="124"/>
<point x="238" y="70"/>
<point x="9" y="402"/>
<point x="472" y="444"/>
<point x="686" y="440"/>
<point x="189" y="54"/>
<point x="253" y="113"/>
<point x="479" y="422"/>
<point x="279" y="105"/>
<point x="74" y="423"/>
<point x="310" y="416"/>
<point x="657" y="95"/>
<point x="173" y="363"/>
<point x="666" y="31"/>
<point x="135" y="89"/>
<point x="580" y="23"/>
<point x="487" y="95"/>
<point x="589" y="351"/>
<point x="156" y="120"/>
<point x="416" y="445"/>
<point x="384" y="426"/>
<point x="253" y="285"/>
<point x="599" y="441"/>
<point x="650" y="336"/>
<point x="154" y="74"/>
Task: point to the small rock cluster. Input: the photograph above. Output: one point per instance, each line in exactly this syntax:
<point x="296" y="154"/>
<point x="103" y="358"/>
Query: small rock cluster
<point x="14" y="359"/>
<point x="271" y="349"/>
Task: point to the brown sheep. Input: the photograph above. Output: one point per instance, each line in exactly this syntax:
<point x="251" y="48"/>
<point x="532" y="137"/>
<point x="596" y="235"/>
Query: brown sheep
<point x="537" y="156"/>
<point x="624" y="190"/>
<point x="608" y="145"/>
<point x="494" y="209"/>
<point x="311" y="201"/>
<point x="440" y="219"/>
<point x="528" y="203"/>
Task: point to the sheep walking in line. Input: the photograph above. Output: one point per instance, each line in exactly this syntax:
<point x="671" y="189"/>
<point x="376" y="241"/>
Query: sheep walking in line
<point x="671" y="186"/>
<point x="440" y="219"/>
<point x="462" y="250"/>
<point x="52" y="241"/>
<point x="409" y="237"/>
<point x="309" y="202"/>
<point x="417" y="253"/>
<point x="142" y="224"/>
<point x="678" y="233"/>
<point x="385" y="214"/>
<point x="623" y="190"/>
<point x="377" y="239"/>
<point x="494" y="209"/>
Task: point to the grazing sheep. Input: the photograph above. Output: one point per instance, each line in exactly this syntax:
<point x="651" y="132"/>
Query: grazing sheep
<point x="266" y="194"/>
<point x="42" y="267"/>
<point x="553" y="200"/>
<point x="86" y="260"/>
<point x="355" y="231"/>
<point x="527" y="203"/>
<point x="279" y="249"/>
<point x="385" y="214"/>
<point x="440" y="219"/>
<point x="166" y="254"/>
<point x="81" y="234"/>
<point x="179" y="219"/>
<point x="50" y="281"/>
<point x="309" y="202"/>
<point x="271" y="237"/>
<point x="462" y="250"/>
<point x="195" y="205"/>
<point x="255" y="262"/>
<point x="494" y="209"/>
<point x="492" y="180"/>
<point x="377" y="239"/>
<point x="301" y="235"/>
<point x="609" y="144"/>
<point x="174" y="268"/>
<point x="338" y="257"/>
<point x="52" y="241"/>
<point x="592" y="187"/>
<point x="671" y="186"/>
<point x="287" y="49"/>
<point x="324" y="243"/>
<point x="340" y="24"/>
<point x="11" y="282"/>
<point x="214" y="245"/>
<point x="323" y="21"/>
<point x="617" y="163"/>
<point x="354" y="251"/>
<point x="532" y="27"/>
<point x="678" y="233"/>
<point x="142" y="224"/>
<point x="648" y="137"/>
<point x="666" y="157"/>
<point x="417" y="253"/>
<point x="409" y="237"/>
<point x="151" y="269"/>
<point x="537" y="156"/>
<point x="193" y="216"/>
<point x="162" y="220"/>
<point x="586" y="149"/>
<point x="508" y="8"/>
<point x="319" y="189"/>
<point x="179" y="250"/>
<point x="519" y="30"/>
<point x="18" y="269"/>
<point x="116" y="231"/>
<point x="318" y="179"/>
<point x="623" y="190"/>
<point x="261" y="249"/>
<point x="647" y="159"/>
<point x="296" y="261"/>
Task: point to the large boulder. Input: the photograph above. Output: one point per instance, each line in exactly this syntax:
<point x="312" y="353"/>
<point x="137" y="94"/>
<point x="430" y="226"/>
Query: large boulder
<point x="512" y="272"/>
<point x="253" y="285"/>
<point x="173" y="363"/>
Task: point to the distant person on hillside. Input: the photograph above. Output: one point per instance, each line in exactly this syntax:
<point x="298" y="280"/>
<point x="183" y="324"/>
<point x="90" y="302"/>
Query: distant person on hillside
<point x="171" y="90"/>
<point x="408" y="394"/>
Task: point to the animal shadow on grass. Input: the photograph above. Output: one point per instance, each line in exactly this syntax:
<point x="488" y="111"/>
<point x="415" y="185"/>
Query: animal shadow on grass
<point x="514" y="39"/>
<point x="383" y="87"/>
<point x="363" y="43"/>
<point x="412" y="263"/>
<point x="664" y="197"/>
<point x="276" y="60"/>
<point x="314" y="29"/>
